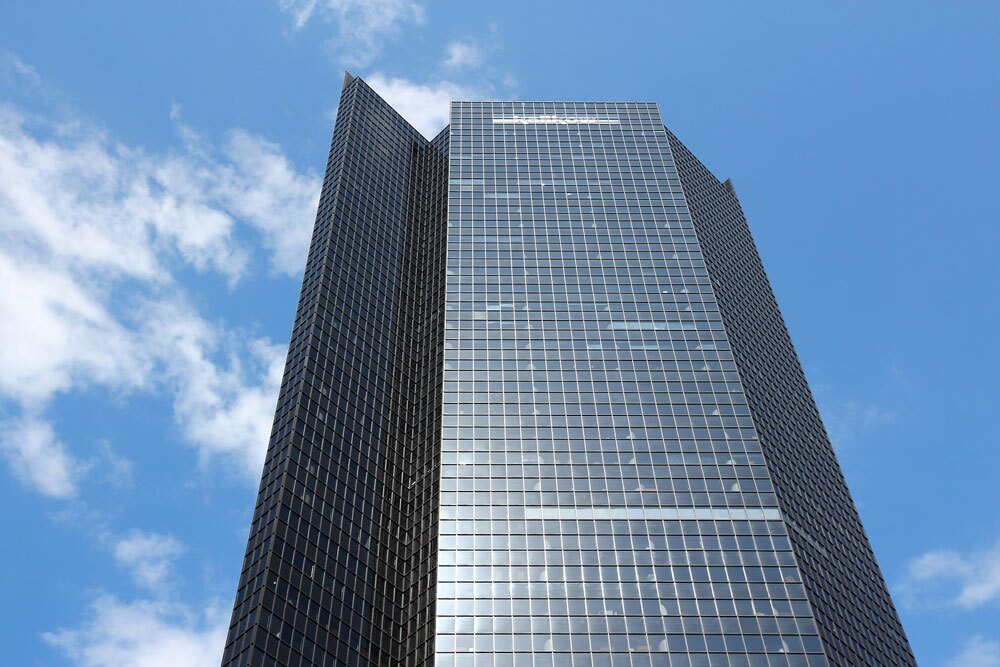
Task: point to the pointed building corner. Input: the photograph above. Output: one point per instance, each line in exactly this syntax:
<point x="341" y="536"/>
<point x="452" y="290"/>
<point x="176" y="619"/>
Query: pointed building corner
<point x="348" y="79"/>
<point x="728" y="184"/>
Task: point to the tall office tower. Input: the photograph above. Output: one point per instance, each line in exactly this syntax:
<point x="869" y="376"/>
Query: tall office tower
<point x="540" y="408"/>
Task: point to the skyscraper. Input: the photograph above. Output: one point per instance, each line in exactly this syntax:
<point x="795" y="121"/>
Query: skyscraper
<point x="540" y="408"/>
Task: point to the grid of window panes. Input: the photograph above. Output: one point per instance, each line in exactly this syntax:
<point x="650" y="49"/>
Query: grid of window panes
<point x="604" y="500"/>
<point x="330" y="574"/>
<point x="851" y="604"/>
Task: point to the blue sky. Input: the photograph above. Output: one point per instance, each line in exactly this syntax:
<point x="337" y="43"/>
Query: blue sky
<point x="159" y="170"/>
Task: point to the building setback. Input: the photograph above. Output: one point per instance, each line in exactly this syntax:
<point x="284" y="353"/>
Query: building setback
<point x="540" y="408"/>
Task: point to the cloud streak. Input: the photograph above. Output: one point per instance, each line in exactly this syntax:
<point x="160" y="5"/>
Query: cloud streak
<point x="363" y="26"/>
<point x="463" y="54"/>
<point x="38" y="458"/>
<point x="947" y="577"/>
<point x="148" y="557"/>
<point x="977" y="652"/>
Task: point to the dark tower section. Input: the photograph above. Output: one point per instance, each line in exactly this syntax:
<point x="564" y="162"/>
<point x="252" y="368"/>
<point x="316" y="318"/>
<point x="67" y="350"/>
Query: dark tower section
<point x="856" y="618"/>
<point x="339" y="566"/>
<point x="410" y="503"/>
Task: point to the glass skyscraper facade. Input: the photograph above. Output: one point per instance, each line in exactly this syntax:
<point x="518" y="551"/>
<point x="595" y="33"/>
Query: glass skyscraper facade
<point x="541" y="409"/>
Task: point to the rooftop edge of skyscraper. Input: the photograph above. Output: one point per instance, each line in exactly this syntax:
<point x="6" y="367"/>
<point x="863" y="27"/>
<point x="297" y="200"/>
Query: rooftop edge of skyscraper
<point x="549" y="425"/>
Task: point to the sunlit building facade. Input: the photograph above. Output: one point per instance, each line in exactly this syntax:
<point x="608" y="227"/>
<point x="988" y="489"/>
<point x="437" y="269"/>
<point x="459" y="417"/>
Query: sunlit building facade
<point x="541" y="409"/>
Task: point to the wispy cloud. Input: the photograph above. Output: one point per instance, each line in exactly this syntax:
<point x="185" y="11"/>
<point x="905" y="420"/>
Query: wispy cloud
<point x="362" y="26"/>
<point x="129" y="212"/>
<point x="16" y="71"/>
<point x="154" y="630"/>
<point x="224" y="409"/>
<point x="850" y="418"/>
<point x="38" y="458"/>
<point x="469" y="76"/>
<point x="148" y="557"/>
<point x="474" y="56"/>
<point x="463" y="54"/>
<point x="977" y="652"/>
<point x="116" y="469"/>
<point x="56" y="331"/>
<point x="144" y="633"/>
<point x="845" y="421"/>
<point x="95" y="233"/>
<point x="22" y="83"/>
<point x="950" y="578"/>
<point x="258" y="185"/>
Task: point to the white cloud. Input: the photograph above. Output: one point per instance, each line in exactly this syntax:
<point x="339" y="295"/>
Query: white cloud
<point x="460" y="54"/>
<point x="56" y="332"/>
<point x="38" y="458"/>
<point x="145" y="633"/>
<point x="148" y="557"/>
<point x="155" y="631"/>
<point x="128" y="213"/>
<point x="949" y="577"/>
<point x="362" y="25"/>
<point x="260" y="185"/>
<point x="424" y="106"/>
<point x="94" y="232"/>
<point x="39" y="182"/>
<point x="224" y="383"/>
<point x="223" y="409"/>
<point x="245" y="181"/>
<point x="977" y="652"/>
